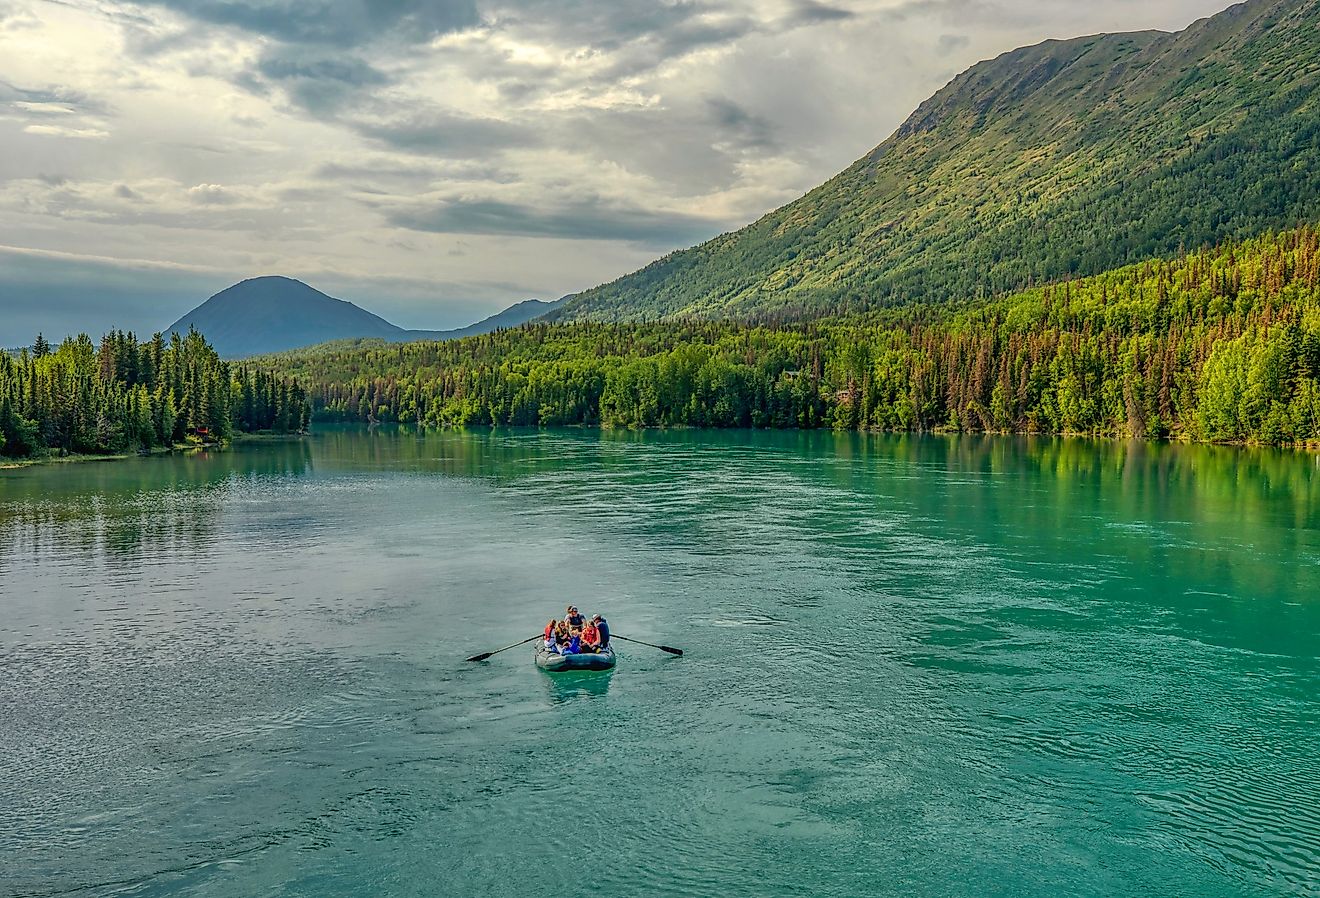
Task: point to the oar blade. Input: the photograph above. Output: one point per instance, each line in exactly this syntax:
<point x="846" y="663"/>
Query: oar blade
<point x="484" y="655"/>
<point x="664" y="648"/>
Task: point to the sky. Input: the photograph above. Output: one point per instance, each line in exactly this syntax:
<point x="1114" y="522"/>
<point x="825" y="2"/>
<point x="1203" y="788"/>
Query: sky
<point x="438" y="160"/>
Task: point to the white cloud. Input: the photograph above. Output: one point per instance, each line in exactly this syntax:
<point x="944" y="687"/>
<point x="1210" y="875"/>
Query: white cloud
<point x="60" y="131"/>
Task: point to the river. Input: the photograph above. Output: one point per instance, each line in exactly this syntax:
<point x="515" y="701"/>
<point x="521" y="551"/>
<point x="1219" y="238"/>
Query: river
<point x="915" y="666"/>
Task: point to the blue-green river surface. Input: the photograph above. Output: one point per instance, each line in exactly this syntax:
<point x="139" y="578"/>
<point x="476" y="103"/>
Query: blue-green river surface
<point x="916" y="666"/>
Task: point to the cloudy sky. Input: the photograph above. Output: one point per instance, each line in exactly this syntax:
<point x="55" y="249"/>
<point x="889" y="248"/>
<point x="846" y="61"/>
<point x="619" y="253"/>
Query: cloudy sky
<point x="437" y="160"/>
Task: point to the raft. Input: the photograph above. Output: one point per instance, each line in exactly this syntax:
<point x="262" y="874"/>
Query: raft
<point x="556" y="663"/>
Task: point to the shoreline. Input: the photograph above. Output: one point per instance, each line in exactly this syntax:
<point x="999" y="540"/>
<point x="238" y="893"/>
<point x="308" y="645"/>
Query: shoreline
<point x="1181" y="439"/>
<point x="14" y="464"/>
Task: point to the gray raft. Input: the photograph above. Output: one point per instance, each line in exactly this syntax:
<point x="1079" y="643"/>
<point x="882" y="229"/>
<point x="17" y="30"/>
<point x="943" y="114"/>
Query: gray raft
<point x="556" y="663"/>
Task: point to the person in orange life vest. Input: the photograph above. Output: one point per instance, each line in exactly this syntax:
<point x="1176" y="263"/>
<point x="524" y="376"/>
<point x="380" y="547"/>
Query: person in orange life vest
<point x="590" y="637"/>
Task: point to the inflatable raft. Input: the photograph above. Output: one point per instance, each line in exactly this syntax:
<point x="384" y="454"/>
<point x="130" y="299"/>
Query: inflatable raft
<point x="556" y="663"/>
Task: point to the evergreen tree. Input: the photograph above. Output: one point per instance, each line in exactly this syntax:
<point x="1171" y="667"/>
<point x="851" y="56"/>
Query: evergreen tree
<point x="117" y="396"/>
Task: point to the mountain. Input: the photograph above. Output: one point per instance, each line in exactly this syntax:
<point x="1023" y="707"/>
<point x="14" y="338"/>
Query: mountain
<point x="1063" y="159"/>
<point x="267" y="314"/>
<point x="272" y="314"/>
<point x="514" y="315"/>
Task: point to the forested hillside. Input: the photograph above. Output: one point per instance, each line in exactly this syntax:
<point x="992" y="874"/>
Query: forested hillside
<point x="1064" y="159"/>
<point x="1221" y="345"/>
<point x="129" y="395"/>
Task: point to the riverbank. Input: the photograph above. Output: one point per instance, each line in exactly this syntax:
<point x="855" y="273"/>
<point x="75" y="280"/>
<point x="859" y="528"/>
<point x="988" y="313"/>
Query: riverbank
<point x="79" y="458"/>
<point x="191" y="445"/>
<point x="1177" y="439"/>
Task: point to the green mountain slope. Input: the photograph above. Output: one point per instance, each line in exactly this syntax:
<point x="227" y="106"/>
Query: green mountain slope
<point x="1067" y="158"/>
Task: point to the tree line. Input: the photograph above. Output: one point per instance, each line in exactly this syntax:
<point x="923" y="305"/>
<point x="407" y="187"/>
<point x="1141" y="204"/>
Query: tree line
<point x="127" y="394"/>
<point x="1220" y="346"/>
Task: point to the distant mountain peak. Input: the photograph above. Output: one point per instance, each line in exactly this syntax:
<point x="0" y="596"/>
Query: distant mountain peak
<point x="271" y="313"/>
<point x="274" y="313"/>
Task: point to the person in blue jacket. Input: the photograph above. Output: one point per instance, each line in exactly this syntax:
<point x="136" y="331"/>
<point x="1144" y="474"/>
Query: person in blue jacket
<point x="574" y="646"/>
<point x="602" y="627"/>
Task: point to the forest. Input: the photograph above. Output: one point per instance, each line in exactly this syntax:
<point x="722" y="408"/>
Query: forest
<point x="128" y="395"/>
<point x="1221" y="345"/>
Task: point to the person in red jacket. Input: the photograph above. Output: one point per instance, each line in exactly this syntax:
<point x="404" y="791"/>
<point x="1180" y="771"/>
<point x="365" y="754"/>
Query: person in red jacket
<point x="550" y="628"/>
<point x="590" y="637"/>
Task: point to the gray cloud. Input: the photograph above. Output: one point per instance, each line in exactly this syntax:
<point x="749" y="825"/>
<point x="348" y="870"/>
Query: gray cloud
<point x="333" y="23"/>
<point x="583" y="219"/>
<point x="735" y="123"/>
<point x="61" y="296"/>
<point x="53" y="96"/>
<point x="446" y="134"/>
<point x="611" y="24"/>
<point x="413" y="176"/>
<point x="320" y="83"/>
<point x="950" y="43"/>
<point x="705" y="140"/>
<point x="314" y="47"/>
<point x="811" y="12"/>
<point x="643" y="35"/>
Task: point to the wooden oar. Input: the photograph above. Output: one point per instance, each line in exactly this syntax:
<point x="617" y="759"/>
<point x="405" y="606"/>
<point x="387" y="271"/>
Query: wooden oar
<point x="664" y="648"/>
<point x="484" y="655"/>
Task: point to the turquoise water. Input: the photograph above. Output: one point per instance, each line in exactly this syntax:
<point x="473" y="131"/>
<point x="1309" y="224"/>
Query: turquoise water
<point x="915" y="666"/>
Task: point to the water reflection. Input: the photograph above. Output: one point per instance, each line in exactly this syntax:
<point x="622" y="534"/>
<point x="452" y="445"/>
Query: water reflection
<point x="125" y="512"/>
<point x="565" y="688"/>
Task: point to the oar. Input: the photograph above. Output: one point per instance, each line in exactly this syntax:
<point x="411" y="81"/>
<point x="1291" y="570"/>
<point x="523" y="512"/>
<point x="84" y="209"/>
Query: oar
<point x="664" y="648"/>
<point x="484" y="655"/>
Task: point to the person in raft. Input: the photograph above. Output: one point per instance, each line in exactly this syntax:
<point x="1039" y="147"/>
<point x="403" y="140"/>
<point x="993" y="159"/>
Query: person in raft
<point x="574" y="618"/>
<point x="564" y="642"/>
<point x="562" y="639"/>
<point x="590" y="636"/>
